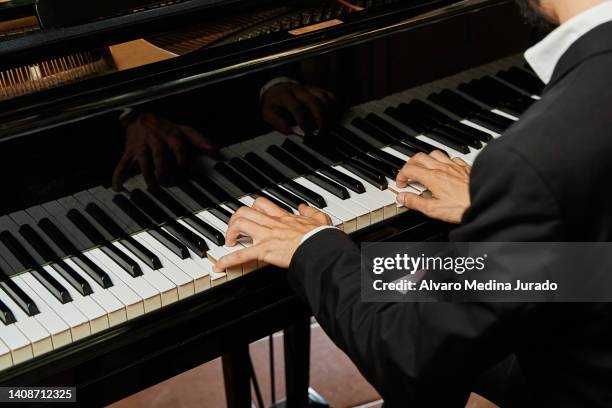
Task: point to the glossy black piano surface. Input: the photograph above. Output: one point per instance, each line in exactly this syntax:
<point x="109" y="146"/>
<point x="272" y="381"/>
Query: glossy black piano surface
<point x="411" y="76"/>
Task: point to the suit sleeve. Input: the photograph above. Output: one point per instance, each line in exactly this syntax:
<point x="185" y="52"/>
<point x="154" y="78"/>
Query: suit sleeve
<point x="426" y="354"/>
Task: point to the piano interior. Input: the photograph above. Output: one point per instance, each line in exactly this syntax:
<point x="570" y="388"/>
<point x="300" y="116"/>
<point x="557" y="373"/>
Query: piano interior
<point x="113" y="291"/>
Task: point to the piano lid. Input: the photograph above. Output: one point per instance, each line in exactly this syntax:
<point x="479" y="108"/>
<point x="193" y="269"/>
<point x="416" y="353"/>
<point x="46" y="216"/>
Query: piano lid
<point x="49" y="76"/>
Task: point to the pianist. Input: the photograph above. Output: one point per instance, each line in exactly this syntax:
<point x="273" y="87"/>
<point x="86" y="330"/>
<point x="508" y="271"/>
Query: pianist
<point x="544" y="180"/>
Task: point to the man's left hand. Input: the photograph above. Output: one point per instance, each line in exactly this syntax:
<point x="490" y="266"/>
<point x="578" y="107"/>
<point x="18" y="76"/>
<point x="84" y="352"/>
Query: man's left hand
<point x="276" y="234"/>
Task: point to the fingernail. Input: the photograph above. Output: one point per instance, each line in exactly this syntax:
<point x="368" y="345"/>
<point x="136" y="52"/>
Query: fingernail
<point x="399" y="198"/>
<point x="298" y="131"/>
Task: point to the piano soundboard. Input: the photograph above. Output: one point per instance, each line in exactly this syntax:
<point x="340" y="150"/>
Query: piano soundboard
<point x="71" y="268"/>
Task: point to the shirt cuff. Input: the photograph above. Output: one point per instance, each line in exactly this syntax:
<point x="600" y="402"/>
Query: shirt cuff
<point x="273" y="82"/>
<point x="314" y="231"/>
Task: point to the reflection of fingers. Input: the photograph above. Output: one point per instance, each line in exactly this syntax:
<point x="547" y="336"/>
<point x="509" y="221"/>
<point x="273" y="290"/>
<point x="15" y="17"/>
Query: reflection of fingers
<point x="440" y="156"/>
<point x="197" y="139"/>
<point x="180" y="152"/>
<point x="146" y="167"/>
<point x="238" y="258"/>
<point x="268" y="207"/>
<point x="414" y="202"/>
<point x="121" y="171"/>
<point x="277" y="121"/>
<point x="301" y="115"/>
<point x="243" y="227"/>
<point x="313" y="105"/>
<point x="159" y="154"/>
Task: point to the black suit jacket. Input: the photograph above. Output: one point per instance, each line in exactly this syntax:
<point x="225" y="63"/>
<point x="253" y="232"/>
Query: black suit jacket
<point x="546" y="179"/>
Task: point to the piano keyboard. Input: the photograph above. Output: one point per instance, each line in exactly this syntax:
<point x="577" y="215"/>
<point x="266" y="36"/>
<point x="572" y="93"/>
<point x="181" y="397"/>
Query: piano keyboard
<point x="73" y="267"/>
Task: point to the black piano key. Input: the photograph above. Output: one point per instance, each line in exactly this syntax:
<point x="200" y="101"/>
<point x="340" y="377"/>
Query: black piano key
<point x="448" y="141"/>
<point x="148" y="206"/>
<point x="169" y="242"/>
<point x="492" y="121"/>
<point x="458" y="137"/>
<point x="473" y="132"/>
<point x="17" y="294"/>
<point x="93" y="270"/>
<point x="382" y="167"/>
<point x="187" y="237"/>
<point x="365" y="172"/>
<point x="344" y="138"/>
<point x="45" y="251"/>
<point x="133" y="246"/>
<point x="6" y="315"/>
<point x="523" y="80"/>
<point x="245" y="186"/>
<point x="145" y="222"/>
<point x="118" y="256"/>
<point x="221" y="213"/>
<point x="339" y="177"/>
<point x="179" y="210"/>
<point x="372" y="131"/>
<point x="288" y="161"/>
<point x="485" y="96"/>
<point x="392" y="161"/>
<point x="429" y="111"/>
<point x="255" y="161"/>
<point x="195" y="194"/>
<point x="285" y="196"/>
<point x="276" y="201"/>
<point x="252" y="173"/>
<point x="506" y="92"/>
<point x="398" y="134"/>
<point x="217" y="193"/>
<point x="48" y="281"/>
<point x="132" y="211"/>
<point x="455" y="103"/>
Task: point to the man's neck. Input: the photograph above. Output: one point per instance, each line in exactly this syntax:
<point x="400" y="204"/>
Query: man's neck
<point x="563" y="10"/>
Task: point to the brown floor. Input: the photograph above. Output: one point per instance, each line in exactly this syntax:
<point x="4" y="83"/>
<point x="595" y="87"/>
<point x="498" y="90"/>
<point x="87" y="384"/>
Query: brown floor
<point x="332" y="375"/>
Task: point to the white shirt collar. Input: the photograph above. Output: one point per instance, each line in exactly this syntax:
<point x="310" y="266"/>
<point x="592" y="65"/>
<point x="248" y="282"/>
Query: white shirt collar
<point x="544" y="56"/>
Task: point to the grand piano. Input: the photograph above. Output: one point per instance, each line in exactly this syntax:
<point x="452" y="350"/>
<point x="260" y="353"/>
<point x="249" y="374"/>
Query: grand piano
<point x="113" y="292"/>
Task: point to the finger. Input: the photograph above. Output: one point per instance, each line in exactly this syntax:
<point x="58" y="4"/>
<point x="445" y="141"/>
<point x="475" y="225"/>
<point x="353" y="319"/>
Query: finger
<point x="159" y="154"/>
<point x="460" y="161"/>
<point x="146" y="167"/>
<point x="425" y="160"/>
<point x="197" y="139"/>
<point x="301" y="115"/>
<point x="314" y="213"/>
<point x="238" y="258"/>
<point x="121" y="171"/>
<point x="253" y="215"/>
<point x="243" y="227"/>
<point x="441" y="156"/>
<point x="414" y="202"/>
<point x="313" y="105"/>
<point x="268" y="207"/>
<point x="411" y="172"/>
<point x="277" y="121"/>
<point x="180" y="152"/>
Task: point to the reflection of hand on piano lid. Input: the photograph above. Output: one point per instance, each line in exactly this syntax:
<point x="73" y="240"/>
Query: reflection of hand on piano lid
<point x="291" y="107"/>
<point x="158" y="147"/>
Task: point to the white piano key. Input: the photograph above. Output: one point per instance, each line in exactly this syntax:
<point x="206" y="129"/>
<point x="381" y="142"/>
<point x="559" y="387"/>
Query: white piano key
<point x="167" y="290"/>
<point x="150" y="296"/>
<point x="481" y="128"/>
<point x="349" y="219"/>
<point x="79" y="325"/>
<point x="382" y="198"/>
<point x="188" y="267"/>
<point x="6" y="360"/>
<point x="98" y="319"/>
<point x="504" y="114"/>
<point x="39" y="338"/>
<point x="17" y="342"/>
<point x="50" y="320"/>
<point x="133" y="303"/>
<point x="114" y="308"/>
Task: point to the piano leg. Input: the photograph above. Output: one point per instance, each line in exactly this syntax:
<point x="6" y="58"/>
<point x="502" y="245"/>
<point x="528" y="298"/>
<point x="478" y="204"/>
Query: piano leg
<point x="237" y="377"/>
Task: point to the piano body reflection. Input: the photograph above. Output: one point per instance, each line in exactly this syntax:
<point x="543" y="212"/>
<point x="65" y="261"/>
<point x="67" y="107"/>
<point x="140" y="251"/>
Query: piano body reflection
<point x="114" y="291"/>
